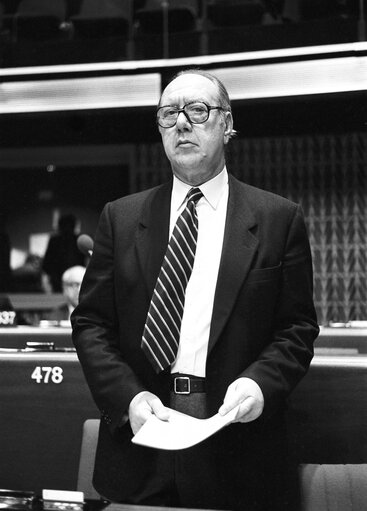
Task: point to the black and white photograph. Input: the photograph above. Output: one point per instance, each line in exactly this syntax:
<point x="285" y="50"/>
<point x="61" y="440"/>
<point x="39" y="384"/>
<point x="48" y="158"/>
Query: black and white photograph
<point x="183" y="255"/>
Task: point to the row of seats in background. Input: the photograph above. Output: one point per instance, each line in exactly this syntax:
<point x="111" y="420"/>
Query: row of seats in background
<point x="90" y="20"/>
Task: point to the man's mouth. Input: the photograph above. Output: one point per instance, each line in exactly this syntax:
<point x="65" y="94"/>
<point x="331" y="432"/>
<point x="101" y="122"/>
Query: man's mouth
<point x="184" y="142"/>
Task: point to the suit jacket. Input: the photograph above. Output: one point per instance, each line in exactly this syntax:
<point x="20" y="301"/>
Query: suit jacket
<point x="263" y="327"/>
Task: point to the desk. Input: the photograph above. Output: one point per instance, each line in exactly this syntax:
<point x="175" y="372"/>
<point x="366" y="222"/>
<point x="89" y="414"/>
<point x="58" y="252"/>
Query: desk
<point x="328" y="411"/>
<point x="347" y="338"/>
<point x="35" y="503"/>
<point x="331" y="340"/>
<point x="128" y="507"/>
<point x="17" y="337"/>
<point x="30" y="308"/>
<point x="44" y="402"/>
<point x="36" y="301"/>
<point x="41" y="423"/>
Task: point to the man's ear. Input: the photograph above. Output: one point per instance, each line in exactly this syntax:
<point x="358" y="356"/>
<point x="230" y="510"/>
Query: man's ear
<point x="228" y="119"/>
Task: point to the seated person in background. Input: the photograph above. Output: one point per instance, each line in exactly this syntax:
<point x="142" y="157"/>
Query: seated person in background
<point x="62" y="252"/>
<point x="71" y="281"/>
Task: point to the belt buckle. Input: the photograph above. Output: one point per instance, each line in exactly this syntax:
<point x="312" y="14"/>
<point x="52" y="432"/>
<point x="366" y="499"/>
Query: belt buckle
<point x="185" y="378"/>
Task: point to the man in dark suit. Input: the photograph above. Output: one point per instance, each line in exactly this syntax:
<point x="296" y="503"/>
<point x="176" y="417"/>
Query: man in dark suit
<point x="247" y="331"/>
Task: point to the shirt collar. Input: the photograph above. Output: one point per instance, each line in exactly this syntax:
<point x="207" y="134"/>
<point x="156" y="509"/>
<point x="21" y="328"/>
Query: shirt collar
<point x="212" y="190"/>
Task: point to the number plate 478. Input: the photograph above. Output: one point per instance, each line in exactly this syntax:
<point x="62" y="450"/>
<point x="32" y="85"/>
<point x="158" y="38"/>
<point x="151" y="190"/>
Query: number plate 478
<point x="45" y="374"/>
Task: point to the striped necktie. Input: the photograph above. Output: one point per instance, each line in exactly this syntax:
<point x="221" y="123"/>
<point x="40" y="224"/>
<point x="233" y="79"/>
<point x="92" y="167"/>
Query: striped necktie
<point x="162" y="327"/>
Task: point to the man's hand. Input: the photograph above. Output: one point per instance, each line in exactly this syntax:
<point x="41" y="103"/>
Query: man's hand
<point x="247" y="394"/>
<point x="142" y="406"/>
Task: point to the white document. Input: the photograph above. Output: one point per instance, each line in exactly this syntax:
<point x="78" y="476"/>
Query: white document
<point x="180" y="431"/>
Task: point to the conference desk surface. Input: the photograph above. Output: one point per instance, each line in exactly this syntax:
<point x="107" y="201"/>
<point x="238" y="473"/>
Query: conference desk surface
<point x="129" y="507"/>
<point x="35" y="503"/>
<point x="35" y="301"/>
<point x="352" y="339"/>
<point x="17" y="337"/>
<point x="341" y="340"/>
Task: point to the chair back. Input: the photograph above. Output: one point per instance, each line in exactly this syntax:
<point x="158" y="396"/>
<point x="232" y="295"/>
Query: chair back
<point x="55" y="8"/>
<point x="105" y="9"/>
<point x="173" y="5"/>
<point x="87" y="458"/>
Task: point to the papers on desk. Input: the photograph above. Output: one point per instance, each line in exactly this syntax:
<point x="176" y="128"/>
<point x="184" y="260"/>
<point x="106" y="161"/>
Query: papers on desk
<point x="180" y="431"/>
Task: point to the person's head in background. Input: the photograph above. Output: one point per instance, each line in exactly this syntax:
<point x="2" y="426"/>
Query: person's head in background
<point x="71" y="282"/>
<point x="66" y="224"/>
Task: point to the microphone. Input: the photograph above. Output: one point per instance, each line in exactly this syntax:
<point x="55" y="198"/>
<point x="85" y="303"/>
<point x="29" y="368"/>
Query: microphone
<point x="85" y="244"/>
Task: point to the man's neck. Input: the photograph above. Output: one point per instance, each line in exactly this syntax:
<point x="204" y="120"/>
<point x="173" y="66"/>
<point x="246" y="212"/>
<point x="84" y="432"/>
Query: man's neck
<point x="197" y="179"/>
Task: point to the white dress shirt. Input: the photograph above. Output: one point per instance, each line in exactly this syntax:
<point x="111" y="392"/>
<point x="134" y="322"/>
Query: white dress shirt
<point x="199" y="297"/>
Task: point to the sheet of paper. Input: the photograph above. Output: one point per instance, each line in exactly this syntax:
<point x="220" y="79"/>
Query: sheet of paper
<point x="180" y="431"/>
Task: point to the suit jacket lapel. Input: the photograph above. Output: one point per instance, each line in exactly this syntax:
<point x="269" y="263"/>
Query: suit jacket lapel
<point x="239" y="248"/>
<point x="152" y="236"/>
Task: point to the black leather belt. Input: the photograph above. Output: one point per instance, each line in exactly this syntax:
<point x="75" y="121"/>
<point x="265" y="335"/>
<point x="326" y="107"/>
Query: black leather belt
<point x="187" y="384"/>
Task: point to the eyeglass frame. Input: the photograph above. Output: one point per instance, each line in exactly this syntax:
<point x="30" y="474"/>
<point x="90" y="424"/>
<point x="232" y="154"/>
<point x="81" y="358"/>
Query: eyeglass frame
<point x="179" y="110"/>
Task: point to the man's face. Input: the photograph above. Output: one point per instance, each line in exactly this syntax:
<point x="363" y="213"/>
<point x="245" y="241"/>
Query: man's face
<point x="71" y="290"/>
<point x="196" y="151"/>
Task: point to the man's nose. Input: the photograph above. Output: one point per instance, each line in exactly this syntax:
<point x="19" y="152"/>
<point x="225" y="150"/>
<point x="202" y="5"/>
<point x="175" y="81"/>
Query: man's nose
<point x="183" y="121"/>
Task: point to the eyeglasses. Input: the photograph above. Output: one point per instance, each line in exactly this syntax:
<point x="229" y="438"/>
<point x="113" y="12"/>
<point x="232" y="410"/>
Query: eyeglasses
<point x="196" y="112"/>
<point x="71" y="284"/>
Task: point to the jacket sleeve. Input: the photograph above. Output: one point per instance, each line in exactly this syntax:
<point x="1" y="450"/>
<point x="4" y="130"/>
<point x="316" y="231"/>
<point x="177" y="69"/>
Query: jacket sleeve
<point x="287" y="355"/>
<point x="96" y="335"/>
